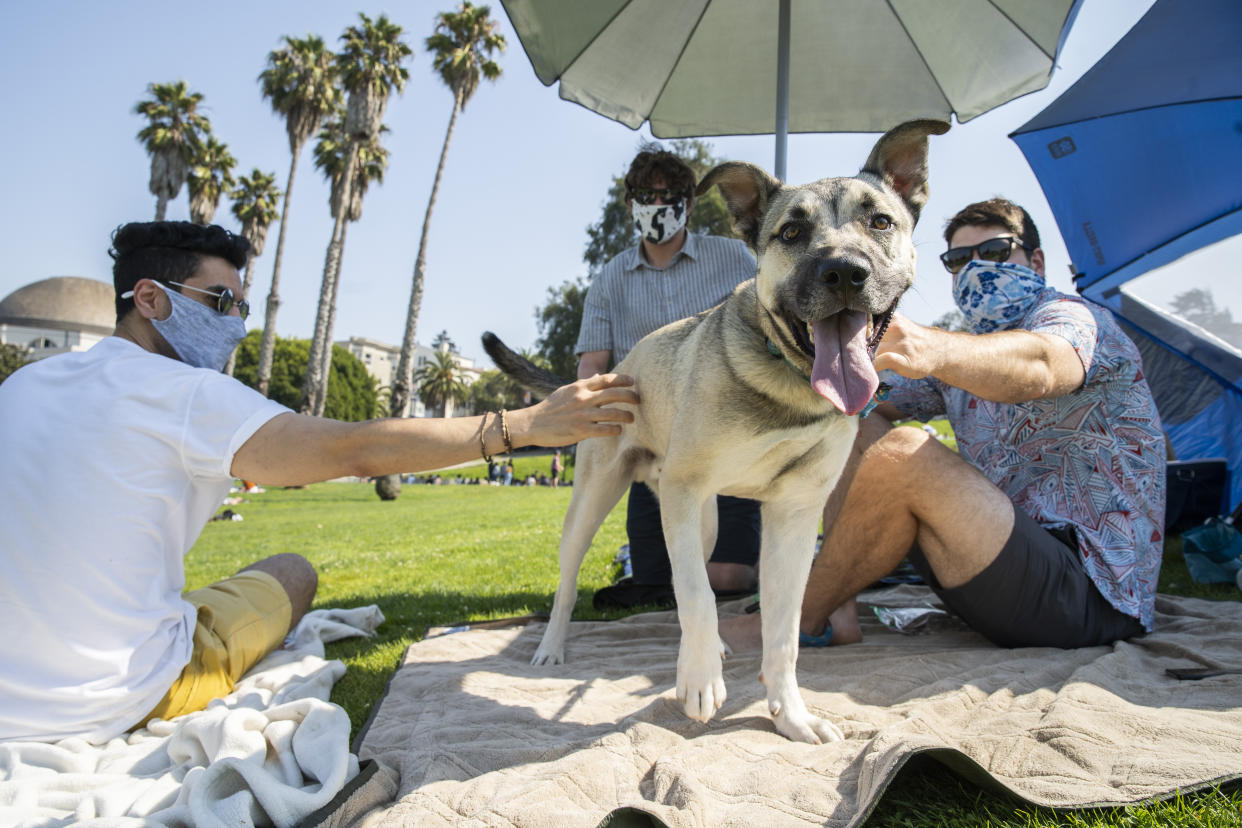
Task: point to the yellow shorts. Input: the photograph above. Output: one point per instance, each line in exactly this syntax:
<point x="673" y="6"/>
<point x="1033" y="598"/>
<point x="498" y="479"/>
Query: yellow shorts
<point x="240" y="620"/>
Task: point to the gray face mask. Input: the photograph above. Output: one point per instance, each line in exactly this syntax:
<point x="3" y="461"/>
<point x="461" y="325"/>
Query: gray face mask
<point x="200" y="335"/>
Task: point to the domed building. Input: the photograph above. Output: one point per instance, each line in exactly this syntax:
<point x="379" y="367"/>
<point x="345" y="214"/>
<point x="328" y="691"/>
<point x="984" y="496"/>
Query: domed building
<point x="63" y="313"/>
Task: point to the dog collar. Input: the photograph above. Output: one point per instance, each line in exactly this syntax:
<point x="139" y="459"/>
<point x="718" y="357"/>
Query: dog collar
<point x="881" y="393"/>
<point x="776" y="352"/>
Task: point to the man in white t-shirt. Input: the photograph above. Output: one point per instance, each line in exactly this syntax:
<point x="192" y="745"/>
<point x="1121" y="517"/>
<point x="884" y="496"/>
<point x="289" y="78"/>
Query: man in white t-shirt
<point x="116" y="457"/>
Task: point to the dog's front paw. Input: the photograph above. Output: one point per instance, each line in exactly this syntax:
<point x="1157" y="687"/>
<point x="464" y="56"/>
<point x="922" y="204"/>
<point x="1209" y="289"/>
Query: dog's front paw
<point x="700" y="684"/>
<point x="548" y="656"/>
<point x="801" y="726"/>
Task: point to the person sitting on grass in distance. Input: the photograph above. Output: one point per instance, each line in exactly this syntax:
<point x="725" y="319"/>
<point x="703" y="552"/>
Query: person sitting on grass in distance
<point x="140" y="438"/>
<point x="1047" y="530"/>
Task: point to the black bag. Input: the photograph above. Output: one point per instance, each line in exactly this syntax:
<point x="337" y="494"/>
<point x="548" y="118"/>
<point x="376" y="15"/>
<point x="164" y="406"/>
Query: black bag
<point x="1197" y="491"/>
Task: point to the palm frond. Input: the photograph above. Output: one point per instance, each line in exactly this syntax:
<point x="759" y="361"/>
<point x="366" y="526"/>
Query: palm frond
<point x="301" y="82"/>
<point x="461" y="48"/>
<point x="254" y="205"/>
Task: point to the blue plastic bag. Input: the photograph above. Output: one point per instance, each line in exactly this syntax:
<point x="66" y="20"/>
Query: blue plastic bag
<point x="1213" y="551"/>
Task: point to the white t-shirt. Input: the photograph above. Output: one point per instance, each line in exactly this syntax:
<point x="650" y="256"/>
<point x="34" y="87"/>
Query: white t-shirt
<point x="111" y="462"/>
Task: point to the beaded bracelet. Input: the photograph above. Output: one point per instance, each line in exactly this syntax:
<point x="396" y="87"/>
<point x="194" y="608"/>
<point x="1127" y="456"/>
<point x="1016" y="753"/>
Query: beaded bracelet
<point x="504" y="433"/>
<point x="482" y="445"/>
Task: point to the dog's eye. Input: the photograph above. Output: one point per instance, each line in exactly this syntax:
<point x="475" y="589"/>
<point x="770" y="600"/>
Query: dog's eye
<point x="790" y="232"/>
<point x="881" y="222"/>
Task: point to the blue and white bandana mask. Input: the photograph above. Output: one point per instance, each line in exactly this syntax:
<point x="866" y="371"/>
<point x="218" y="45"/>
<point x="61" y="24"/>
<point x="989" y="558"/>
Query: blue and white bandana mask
<point x="657" y="223"/>
<point x="995" y="296"/>
<point x="201" y="336"/>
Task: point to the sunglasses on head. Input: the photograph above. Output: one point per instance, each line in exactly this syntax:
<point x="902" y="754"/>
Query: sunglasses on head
<point x="225" y="300"/>
<point x="648" y="195"/>
<point x="992" y="250"/>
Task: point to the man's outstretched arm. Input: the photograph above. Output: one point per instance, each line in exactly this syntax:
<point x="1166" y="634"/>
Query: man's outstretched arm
<point x="294" y="449"/>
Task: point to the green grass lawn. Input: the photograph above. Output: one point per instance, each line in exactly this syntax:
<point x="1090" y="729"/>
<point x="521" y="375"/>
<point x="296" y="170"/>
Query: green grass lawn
<point x="443" y="554"/>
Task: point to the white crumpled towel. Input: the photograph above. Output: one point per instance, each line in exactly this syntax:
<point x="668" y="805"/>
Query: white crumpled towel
<point x="271" y="752"/>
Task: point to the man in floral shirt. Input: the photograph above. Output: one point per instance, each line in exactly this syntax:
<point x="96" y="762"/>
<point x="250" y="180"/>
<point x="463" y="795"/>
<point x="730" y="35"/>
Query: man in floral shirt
<point x="1047" y="528"/>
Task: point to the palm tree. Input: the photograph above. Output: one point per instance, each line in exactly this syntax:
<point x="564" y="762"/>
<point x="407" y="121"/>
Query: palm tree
<point x="254" y="205"/>
<point x="211" y="175"/>
<point x="462" y="45"/>
<point x="440" y="382"/>
<point x="170" y="138"/>
<point x="300" y="81"/>
<point x="370" y="68"/>
<point x="331" y="152"/>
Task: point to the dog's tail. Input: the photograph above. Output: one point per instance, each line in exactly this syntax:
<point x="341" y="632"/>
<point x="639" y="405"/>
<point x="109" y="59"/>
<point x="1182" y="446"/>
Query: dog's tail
<point x="524" y="372"/>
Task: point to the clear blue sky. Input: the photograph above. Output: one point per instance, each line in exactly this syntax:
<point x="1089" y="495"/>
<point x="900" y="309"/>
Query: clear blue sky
<point x="527" y="172"/>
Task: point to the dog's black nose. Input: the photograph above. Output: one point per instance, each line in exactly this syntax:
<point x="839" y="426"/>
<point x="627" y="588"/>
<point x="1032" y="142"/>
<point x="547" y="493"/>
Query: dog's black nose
<point x="841" y="271"/>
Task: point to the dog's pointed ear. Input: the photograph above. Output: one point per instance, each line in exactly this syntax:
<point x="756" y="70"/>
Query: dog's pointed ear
<point x="747" y="189"/>
<point x="899" y="158"/>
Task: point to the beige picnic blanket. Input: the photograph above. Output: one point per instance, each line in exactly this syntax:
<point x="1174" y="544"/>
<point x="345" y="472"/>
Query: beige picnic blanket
<point x="481" y="737"/>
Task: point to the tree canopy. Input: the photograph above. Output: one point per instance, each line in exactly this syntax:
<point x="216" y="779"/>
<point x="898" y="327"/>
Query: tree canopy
<point x="440" y="381"/>
<point x="558" y="320"/>
<point x="352" y="393"/>
<point x="953" y="320"/>
<point x="210" y="176"/>
<point x="492" y="391"/>
<point x="301" y="84"/>
<point x="371" y="66"/>
<point x="331" y="153"/>
<point x="254" y="205"/>
<point x="173" y="132"/>
<point x="461" y="48"/>
<point x="1198" y="306"/>
<point x="12" y="357"/>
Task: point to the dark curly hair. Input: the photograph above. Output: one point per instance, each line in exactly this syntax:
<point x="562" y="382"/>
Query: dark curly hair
<point x="995" y="212"/>
<point x="167" y="251"/>
<point x="651" y="164"/>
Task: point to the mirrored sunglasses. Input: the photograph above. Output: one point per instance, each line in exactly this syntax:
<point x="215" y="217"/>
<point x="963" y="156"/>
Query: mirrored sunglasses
<point x="648" y="195"/>
<point x="992" y="250"/>
<point x="224" y="299"/>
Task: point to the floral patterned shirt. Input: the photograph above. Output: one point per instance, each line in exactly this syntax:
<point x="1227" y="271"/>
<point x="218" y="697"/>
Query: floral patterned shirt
<point x="1093" y="458"/>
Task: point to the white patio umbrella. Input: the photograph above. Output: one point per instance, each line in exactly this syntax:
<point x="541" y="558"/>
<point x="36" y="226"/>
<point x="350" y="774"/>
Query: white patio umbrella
<point x="748" y="67"/>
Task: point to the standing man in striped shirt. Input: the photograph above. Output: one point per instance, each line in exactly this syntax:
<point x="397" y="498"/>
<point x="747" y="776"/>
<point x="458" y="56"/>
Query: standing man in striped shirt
<point x="669" y="275"/>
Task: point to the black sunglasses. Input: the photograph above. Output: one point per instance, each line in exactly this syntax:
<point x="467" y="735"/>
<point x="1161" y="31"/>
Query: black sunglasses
<point x="224" y="299"/>
<point x="992" y="250"/>
<point x="648" y="195"/>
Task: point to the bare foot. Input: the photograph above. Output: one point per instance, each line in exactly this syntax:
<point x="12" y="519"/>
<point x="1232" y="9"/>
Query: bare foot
<point x="845" y="628"/>
<point x="744" y="633"/>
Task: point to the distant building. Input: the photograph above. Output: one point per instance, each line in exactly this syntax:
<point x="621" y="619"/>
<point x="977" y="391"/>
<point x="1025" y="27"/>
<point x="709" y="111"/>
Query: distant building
<point x="381" y="360"/>
<point x="58" y="315"/>
<point x="71" y="313"/>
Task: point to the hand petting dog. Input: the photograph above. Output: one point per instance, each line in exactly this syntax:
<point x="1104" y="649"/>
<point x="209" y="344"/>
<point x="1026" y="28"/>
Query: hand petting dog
<point x="584" y="409"/>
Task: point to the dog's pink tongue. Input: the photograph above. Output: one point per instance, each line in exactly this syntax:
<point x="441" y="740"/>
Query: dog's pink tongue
<point x="843" y="373"/>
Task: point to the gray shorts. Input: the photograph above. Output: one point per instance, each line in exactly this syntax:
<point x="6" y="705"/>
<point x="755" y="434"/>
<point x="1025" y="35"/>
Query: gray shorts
<point x="1035" y="594"/>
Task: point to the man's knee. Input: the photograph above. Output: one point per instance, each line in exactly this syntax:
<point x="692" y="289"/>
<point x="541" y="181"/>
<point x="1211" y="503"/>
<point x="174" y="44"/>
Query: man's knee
<point x="900" y="444"/>
<point x="296" y="576"/>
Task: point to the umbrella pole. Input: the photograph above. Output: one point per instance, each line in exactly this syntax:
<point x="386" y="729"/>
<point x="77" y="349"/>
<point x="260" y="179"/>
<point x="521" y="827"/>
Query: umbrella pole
<point x="782" y="88"/>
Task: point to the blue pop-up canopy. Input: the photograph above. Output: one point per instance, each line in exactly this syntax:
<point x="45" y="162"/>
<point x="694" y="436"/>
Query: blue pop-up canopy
<point x="1141" y="162"/>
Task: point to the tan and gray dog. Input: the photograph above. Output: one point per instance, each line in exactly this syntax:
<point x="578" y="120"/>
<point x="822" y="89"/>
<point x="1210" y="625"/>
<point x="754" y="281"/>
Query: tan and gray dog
<point x="758" y="398"/>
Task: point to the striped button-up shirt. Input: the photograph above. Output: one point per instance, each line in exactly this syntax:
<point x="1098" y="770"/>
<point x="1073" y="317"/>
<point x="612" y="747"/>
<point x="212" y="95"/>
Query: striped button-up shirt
<point x="629" y="298"/>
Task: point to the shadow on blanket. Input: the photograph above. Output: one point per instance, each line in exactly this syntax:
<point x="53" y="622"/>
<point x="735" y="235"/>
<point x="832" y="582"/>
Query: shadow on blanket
<point x="475" y="731"/>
